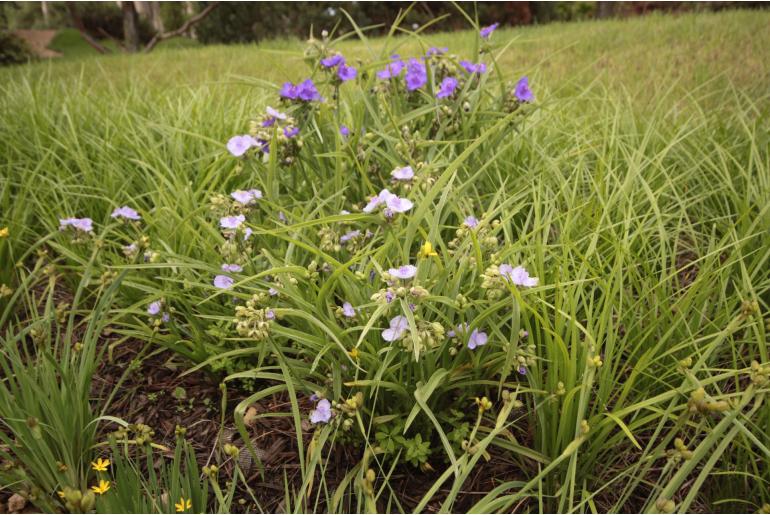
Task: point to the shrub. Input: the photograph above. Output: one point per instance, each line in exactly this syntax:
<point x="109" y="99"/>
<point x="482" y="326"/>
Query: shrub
<point x="13" y="49"/>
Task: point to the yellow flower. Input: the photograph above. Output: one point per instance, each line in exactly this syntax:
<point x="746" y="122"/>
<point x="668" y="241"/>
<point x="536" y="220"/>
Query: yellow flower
<point x="61" y="493"/>
<point x="102" y="488"/>
<point x="100" y="465"/>
<point x="183" y="505"/>
<point x="427" y="251"/>
<point x="354" y="353"/>
<point x="4" y="232"/>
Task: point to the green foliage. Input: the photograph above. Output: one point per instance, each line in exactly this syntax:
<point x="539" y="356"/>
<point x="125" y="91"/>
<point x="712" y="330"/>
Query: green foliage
<point x="13" y="50"/>
<point x="640" y="201"/>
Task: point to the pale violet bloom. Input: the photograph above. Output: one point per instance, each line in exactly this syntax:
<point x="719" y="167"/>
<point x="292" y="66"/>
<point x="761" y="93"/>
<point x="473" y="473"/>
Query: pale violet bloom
<point x="224" y="282"/>
<point x="272" y="292"/>
<point x="232" y="268"/>
<point x="347" y="310"/>
<point x="322" y="412"/>
<point x="518" y="276"/>
<point x="154" y="308"/>
<point x="270" y="314"/>
<point x="471" y="222"/>
<point x="461" y="329"/>
<point x="349" y="236"/>
<point x="247" y="233"/>
<point x="231" y="222"/>
<point x="125" y="212"/>
<point x="403" y="173"/>
<point x="392" y="202"/>
<point x="239" y="145"/>
<point x="81" y="224"/>
<point x="403" y="272"/>
<point x="477" y="339"/>
<point x="275" y="113"/>
<point x="246" y="197"/>
<point x="398" y="327"/>
<point x="487" y="31"/>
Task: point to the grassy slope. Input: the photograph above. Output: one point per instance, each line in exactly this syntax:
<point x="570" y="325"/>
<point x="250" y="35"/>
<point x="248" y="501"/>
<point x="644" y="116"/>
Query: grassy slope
<point x="653" y="140"/>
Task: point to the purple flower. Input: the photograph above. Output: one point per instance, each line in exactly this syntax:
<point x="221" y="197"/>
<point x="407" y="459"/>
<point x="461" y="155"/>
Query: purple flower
<point x="398" y="204"/>
<point x="346" y="73"/>
<point x="403" y="173"/>
<point x="307" y="91"/>
<point x="522" y="370"/>
<point x="314" y="397"/>
<point x="270" y="314"/>
<point x="447" y="87"/>
<point x="238" y="145"/>
<point x="389" y="297"/>
<point x="321" y="413"/>
<point x="416" y="74"/>
<point x="165" y="317"/>
<point x="471" y="222"/>
<point x="126" y="212"/>
<point x="344" y="131"/>
<point x="349" y="236"/>
<point x="393" y="69"/>
<point x="347" y="310"/>
<point x="247" y="233"/>
<point x="477" y="339"/>
<point x="332" y="61"/>
<point x="246" y="197"/>
<point x="473" y="68"/>
<point x="154" y="308"/>
<point x="275" y="114"/>
<point x="461" y="329"/>
<point x="522" y="91"/>
<point x="289" y="90"/>
<point x="224" y="282"/>
<point x="290" y="131"/>
<point x="232" y="268"/>
<point x="272" y="292"/>
<point x="436" y="51"/>
<point x="487" y="31"/>
<point x="398" y="327"/>
<point x="518" y="276"/>
<point x="231" y="222"/>
<point x="281" y="217"/>
<point x="81" y="224"/>
<point x="403" y="272"/>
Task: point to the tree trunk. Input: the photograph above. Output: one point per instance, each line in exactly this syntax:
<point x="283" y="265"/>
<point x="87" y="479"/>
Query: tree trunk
<point x="46" y="16"/>
<point x="189" y="10"/>
<point x="130" y="26"/>
<point x="605" y="10"/>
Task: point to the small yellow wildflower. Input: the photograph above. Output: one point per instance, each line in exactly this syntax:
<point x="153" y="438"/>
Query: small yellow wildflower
<point x="4" y="232"/>
<point x="183" y="505"/>
<point x="100" y="465"/>
<point x="61" y="493"/>
<point x="354" y="353"/>
<point x="102" y="488"/>
<point x="427" y="250"/>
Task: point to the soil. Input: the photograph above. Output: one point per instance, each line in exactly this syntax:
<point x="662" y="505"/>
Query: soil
<point x="38" y="41"/>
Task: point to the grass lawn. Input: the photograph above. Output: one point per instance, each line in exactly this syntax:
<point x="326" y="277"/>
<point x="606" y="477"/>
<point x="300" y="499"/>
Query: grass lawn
<point x="631" y="376"/>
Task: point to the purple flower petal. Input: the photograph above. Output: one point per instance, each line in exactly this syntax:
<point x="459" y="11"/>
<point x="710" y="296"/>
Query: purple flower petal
<point x="403" y="272"/>
<point x="471" y="222"/>
<point x="347" y="310"/>
<point x="154" y="308"/>
<point x="522" y="91"/>
<point x="403" y="173"/>
<point x="447" y="87"/>
<point x="238" y="145"/>
<point x="224" y="282"/>
<point x="346" y="73"/>
<point x="487" y="31"/>
<point x="322" y="412"/>
<point x="332" y="61"/>
<point x="126" y="212"/>
<point x="246" y="197"/>
<point x="477" y="339"/>
<point x="232" y="268"/>
<point x="518" y="276"/>
<point x="231" y="222"/>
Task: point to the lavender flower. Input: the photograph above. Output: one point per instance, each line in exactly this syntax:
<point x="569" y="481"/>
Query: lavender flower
<point x="522" y="91"/>
<point x="154" y="308"/>
<point x="80" y="224"/>
<point x="322" y="412"/>
<point x="403" y="173"/>
<point x="477" y="339"/>
<point x="238" y="145"/>
<point x="232" y="268"/>
<point x="224" y="282"/>
<point x="347" y="310"/>
<point x="487" y="31"/>
<point x="471" y="222"/>
<point x="447" y="87"/>
<point x="231" y="222"/>
<point x="307" y="91"/>
<point x="416" y="74"/>
<point x="518" y="276"/>
<point x="398" y="327"/>
<point x="275" y="114"/>
<point x="391" y="201"/>
<point x="350" y="235"/>
<point x="473" y="67"/>
<point x="125" y="212"/>
<point x="289" y="90"/>
<point x="332" y="61"/>
<point x="403" y="272"/>
<point x="344" y="131"/>
<point x="346" y="73"/>
<point x="290" y="131"/>
<point x="522" y="370"/>
<point x="436" y="51"/>
<point x="393" y="69"/>
<point x="246" y="197"/>
<point x="247" y="233"/>
<point x="270" y="314"/>
<point x="272" y="292"/>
